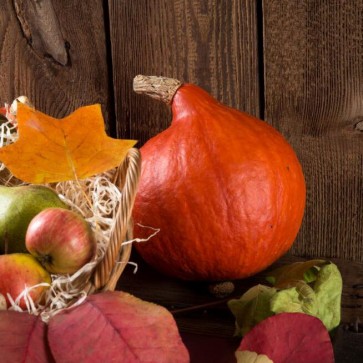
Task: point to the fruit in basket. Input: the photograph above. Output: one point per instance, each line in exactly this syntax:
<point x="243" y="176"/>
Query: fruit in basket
<point x="18" y="205"/>
<point x="225" y="189"/>
<point x="61" y="240"/>
<point x="19" y="271"/>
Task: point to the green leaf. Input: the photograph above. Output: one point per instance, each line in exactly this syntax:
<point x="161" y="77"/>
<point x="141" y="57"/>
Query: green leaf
<point x="328" y="290"/>
<point x="311" y="287"/>
<point x="310" y="275"/>
<point x="287" y="276"/>
<point x="298" y="299"/>
<point x="251" y="308"/>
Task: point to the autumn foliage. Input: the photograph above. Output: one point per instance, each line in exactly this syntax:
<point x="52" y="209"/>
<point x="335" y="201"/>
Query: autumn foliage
<point x="107" y="327"/>
<point x="52" y="150"/>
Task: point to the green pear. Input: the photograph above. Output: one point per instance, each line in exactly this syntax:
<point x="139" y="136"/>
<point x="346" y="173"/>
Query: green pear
<point x="18" y="206"/>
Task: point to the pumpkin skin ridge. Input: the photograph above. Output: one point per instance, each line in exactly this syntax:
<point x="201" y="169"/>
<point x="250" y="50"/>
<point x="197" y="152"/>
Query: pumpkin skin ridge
<point x="187" y="259"/>
<point x="188" y="263"/>
<point x="178" y="256"/>
<point x="217" y="178"/>
<point x="229" y="110"/>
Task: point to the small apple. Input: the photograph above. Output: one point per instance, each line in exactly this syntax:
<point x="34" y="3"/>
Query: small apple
<point x="21" y="270"/>
<point x="61" y="240"/>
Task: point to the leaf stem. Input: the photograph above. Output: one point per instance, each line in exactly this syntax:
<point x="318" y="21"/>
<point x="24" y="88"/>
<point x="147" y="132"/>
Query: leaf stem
<point x="199" y="307"/>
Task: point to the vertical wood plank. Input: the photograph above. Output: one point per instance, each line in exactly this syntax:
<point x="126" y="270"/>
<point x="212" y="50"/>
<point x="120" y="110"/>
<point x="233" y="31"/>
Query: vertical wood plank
<point x="313" y="56"/>
<point x="212" y="43"/>
<point x="58" y="59"/>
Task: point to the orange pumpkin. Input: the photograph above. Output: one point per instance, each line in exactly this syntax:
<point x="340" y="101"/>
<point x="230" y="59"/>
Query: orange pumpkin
<point x="225" y="189"/>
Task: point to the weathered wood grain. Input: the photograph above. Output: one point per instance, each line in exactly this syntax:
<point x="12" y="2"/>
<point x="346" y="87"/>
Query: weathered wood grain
<point x="211" y="43"/>
<point x="313" y="61"/>
<point x="41" y="27"/>
<point x="55" y="53"/>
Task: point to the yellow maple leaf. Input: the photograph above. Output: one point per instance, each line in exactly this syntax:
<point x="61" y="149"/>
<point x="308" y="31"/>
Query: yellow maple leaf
<point x="53" y="150"/>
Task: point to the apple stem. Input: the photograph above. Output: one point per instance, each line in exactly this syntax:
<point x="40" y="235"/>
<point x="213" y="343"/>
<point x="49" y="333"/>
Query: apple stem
<point x="45" y="260"/>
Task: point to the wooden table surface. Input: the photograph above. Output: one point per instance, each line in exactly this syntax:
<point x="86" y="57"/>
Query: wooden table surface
<point x="207" y="326"/>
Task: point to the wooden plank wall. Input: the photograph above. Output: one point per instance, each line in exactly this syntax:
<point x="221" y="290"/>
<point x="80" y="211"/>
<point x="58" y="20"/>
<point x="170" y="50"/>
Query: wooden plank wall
<point x="296" y="64"/>
<point x="313" y="64"/>
<point x="211" y="43"/>
<point x="55" y="53"/>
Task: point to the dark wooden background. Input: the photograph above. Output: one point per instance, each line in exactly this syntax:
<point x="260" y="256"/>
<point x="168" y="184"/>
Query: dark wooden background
<point x="296" y="64"/>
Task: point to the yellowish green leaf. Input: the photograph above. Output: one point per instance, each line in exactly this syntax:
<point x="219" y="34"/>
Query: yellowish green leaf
<point x="298" y="299"/>
<point x="289" y="275"/>
<point x="328" y="289"/>
<point x="251" y="308"/>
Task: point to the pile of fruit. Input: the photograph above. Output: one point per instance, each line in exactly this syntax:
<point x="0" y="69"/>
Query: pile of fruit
<point x="57" y="216"/>
<point x="39" y="237"/>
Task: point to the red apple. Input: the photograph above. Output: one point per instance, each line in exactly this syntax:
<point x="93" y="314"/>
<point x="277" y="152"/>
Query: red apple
<point x="21" y="270"/>
<point x="61" y="240"/>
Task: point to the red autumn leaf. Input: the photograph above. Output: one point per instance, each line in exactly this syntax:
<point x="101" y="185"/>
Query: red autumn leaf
<point x="116" y="327"/>
<point x="107" y="327"/>
<point x="290" y="337"/>
<point x="23" y="338"/>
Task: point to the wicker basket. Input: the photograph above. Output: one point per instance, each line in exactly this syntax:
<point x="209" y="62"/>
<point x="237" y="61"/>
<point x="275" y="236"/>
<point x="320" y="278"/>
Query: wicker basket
<point x="104" y="274"/>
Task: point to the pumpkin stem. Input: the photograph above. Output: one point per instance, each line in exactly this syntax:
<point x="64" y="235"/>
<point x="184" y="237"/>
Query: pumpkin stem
<point x="160" y="88"/>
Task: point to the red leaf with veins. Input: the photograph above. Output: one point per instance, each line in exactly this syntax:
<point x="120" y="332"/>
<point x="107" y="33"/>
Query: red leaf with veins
<point x="290" y="337"/>
<point x="116" y="327"/>
<point x="23" y="339"/>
